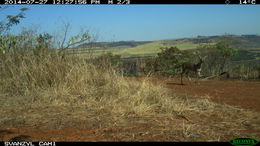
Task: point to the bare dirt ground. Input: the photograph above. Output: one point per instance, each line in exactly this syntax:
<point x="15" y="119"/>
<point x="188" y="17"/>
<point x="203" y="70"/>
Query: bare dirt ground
<point x="67" y="126"/>
<point x="243" y="94"/>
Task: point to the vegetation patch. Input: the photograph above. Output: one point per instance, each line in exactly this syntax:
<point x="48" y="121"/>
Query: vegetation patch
<point x="36" y="90"/>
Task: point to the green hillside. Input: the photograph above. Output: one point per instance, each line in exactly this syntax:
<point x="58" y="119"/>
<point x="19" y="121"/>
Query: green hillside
<point x="250" y="43"/>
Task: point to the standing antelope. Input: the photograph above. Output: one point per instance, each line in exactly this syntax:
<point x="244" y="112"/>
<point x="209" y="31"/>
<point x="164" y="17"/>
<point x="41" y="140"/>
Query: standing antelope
<point x="191" y="67"/>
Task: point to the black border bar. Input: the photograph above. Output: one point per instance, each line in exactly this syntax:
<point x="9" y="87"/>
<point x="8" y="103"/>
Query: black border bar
<point x="125" y="2"/>
<point x="120" y="143"/>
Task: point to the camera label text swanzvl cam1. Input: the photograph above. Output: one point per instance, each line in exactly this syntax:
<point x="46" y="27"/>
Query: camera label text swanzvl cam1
<point x="41" y="143"/>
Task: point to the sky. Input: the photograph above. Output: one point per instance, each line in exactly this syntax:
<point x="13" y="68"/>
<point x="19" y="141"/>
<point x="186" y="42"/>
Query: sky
<point x="141" y="22"/>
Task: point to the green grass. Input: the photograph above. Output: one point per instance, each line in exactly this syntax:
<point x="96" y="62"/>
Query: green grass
<point x="148" y="49"/>
<point x="152" y="48"/>
<point x="187" y="45"/>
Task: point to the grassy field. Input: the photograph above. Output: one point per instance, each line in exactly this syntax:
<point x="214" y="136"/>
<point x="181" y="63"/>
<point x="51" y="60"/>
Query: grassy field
<point x="70" y="98"/>
<point x="148" y="49"/>
<point x="50" y="92"/>
<point x="153" y="47"/>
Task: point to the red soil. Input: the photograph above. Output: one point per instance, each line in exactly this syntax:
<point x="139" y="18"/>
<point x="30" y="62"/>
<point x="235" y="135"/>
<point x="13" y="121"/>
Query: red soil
<point x="243" y="94"/>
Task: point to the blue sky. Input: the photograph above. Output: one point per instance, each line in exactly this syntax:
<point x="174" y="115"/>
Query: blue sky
<point x="142" y="22"/>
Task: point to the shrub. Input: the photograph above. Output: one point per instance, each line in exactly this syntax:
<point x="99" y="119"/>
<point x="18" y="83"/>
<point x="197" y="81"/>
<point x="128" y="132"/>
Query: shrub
<point x="170" y="60"/>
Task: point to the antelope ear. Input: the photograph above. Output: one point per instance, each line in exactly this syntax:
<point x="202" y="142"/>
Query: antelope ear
<point x="205" y="57"/>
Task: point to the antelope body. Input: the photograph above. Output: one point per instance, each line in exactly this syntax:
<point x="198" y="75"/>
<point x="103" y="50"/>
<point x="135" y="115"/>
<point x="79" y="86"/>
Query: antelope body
<point x="191" y="67"/>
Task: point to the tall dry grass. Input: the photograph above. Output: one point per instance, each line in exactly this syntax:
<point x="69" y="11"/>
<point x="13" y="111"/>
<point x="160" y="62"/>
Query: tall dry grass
<point x="51" y="79"/>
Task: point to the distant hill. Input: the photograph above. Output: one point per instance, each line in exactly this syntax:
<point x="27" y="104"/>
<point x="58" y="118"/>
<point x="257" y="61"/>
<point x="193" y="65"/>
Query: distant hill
<point x="240" y="41"/>
<point x="249" y="43"/>
<point x="114" y="44"/>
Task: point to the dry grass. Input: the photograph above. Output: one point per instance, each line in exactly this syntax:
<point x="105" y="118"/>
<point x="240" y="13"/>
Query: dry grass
<point x="52" y="91"/>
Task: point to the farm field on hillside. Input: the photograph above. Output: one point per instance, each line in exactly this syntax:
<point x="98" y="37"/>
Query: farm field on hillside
<point x="248" y="47"/>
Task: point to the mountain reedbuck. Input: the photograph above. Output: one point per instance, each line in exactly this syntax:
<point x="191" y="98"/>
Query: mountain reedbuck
<point x="191" y="67"/>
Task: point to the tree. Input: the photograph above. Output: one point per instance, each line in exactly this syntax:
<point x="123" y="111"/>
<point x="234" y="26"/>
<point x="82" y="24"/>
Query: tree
<point x="11" y="20"/>
<point x="44" y="40"/>
<point x="219" y="55"/>
<point x="226" y="52"/>
<point x="170" y="60"/>
<point x="9" y="41"/>
<point x="109" y="60"/>
<point x="73" y="41"/>
<point x="64" y="43"/>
